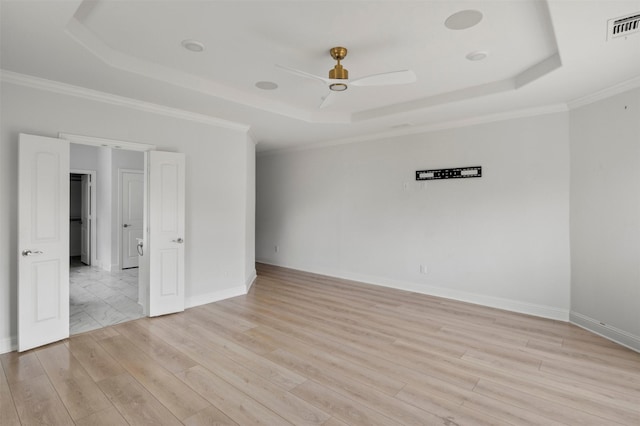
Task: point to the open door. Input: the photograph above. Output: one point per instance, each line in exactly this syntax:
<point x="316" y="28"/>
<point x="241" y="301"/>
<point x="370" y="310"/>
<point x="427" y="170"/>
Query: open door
<point x="85" y="221"/>
<point x="43" y="241"/>
<point x="165" y="245"/>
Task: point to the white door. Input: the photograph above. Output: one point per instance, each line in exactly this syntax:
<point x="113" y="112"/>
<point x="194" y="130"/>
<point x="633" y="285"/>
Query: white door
<point x="132" y="216"/>
<point x="43" y="241"/>
<point x="166" y="232"/>
<point x="85" y="221"/>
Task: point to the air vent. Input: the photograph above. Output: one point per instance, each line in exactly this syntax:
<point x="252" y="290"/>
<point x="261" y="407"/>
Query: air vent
<point x="622" y="27"/>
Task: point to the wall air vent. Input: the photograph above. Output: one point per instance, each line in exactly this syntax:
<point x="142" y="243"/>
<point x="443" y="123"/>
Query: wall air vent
<point x="622" y="27"/>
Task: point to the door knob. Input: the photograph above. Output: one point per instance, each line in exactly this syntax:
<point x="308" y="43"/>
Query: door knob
<point x="30" y="253"/>
<point x="126" y="225"/>
<point x="179" y="241"/>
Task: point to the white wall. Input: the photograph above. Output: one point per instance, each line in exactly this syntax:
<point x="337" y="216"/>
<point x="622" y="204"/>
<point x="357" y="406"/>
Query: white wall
<point x="605" y="217"/>
<point x="104" y="219"/>
<point x="84" y="157"/>
<point x="356" y="211"/>
<point x="216" y="180"/>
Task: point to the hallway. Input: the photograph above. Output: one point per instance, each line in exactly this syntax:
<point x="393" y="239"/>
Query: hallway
<point x="99" y="298"/>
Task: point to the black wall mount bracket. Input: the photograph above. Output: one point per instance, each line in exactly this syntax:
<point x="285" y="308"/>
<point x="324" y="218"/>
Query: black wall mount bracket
<point x="456" y="173"/>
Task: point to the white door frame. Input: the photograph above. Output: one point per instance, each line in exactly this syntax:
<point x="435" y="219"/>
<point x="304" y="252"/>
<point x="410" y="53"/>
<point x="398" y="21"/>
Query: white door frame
<point x="143" y="286"/>
<point x="61" y="169"/>
<point x="144" y="272"/>
<point x="93" y="203"/>
<point x="119" y="216"/>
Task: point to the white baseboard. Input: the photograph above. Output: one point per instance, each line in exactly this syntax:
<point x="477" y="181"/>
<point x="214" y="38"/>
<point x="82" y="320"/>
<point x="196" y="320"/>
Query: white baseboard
<point x="215" y="296"/>
<point x="104" y="266"/>
<point x="543" y="311"/>
<point x="8" y="344"/>
<point x="252" y="279"/>
<point x="609" y="332"/>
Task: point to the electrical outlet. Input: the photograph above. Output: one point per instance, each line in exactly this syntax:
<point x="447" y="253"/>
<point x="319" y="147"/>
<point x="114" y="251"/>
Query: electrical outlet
<point x="276" y="248"/>
<point x="423" y="269"/>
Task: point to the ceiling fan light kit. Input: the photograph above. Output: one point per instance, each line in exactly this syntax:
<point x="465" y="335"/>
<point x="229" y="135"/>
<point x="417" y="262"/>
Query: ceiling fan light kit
<point x="338" y="87"/>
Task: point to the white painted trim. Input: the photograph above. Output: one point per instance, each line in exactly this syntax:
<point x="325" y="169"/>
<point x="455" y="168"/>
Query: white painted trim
<point x="251" y="280"/>
<point x="104" y="266"/>
<point x="94" y="95"/>
<point x="216" y="296"/>
<point x="252" y="136"/>
<point x="511" y="305"/>
<point x="8" y="344"/>
<point x="107" y="143"/>
<point x="427" y="128"/>
<point x="538" y="70"/>
<point x="605" y="93"/>
<point x="415" y="105"/>
<point x="609" y="332"/>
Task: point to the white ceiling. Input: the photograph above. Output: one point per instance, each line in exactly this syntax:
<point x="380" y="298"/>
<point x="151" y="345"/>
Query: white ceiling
<point x="541" y="54"/>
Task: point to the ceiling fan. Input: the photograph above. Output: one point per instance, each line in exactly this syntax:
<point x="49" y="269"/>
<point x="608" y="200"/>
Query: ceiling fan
<point x="338" y="80"/>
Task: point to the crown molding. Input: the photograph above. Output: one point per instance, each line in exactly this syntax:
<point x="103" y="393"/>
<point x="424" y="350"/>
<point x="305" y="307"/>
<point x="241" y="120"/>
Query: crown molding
<point x="605" y="93"/>
<point x="429" y="128"/>
<point x="110" y="143"/>
<point x="107" y="98"/>
<point x="252" y="136"/>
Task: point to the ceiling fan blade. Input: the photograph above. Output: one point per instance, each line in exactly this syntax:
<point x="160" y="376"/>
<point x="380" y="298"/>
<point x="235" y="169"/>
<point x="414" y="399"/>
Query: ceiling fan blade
<point x="302" y="73"/>
<point x="328" y="100"/>
<point x="386" y="79"/>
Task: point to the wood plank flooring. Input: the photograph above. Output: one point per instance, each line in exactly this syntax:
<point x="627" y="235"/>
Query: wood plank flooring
<point x="304" y="349"/>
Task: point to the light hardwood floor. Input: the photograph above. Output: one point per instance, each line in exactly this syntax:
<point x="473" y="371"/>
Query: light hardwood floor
<point x="304" y="349"/>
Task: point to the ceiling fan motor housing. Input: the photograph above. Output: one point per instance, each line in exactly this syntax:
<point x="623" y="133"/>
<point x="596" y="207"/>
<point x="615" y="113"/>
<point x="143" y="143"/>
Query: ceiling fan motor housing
<point x="338" y="72"/>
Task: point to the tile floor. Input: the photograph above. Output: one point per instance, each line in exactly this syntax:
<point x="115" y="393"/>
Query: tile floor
<point x="99" y="298"/>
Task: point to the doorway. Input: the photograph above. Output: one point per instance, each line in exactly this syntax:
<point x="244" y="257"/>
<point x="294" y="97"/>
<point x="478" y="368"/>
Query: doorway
<point x="44" y="164"/>
<point x="82" y="226"/>
<point x="103" y="270"/>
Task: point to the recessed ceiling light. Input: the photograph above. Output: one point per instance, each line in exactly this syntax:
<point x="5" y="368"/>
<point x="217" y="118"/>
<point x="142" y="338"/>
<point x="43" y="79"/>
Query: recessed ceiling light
<point x="478" y="55"/>
<point x="193" y="45"/>
<point x="463" y="19"/>
<point x="266" y="85"/>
